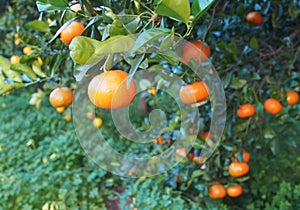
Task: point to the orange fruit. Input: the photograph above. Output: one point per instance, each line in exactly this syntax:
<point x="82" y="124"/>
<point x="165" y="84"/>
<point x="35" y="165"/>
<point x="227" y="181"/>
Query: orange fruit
<point x="67" y="117"/>
<point x="217" y="191"/>
<point x="273" y="106"/>
<point x="15" y="59"/>
<point x="109" y="90"/>
<point x="237" y="169"/>
<point x="39" y="59"/>
<point x="191" y="155"/>
<point x="204" y="136"/>
<point x="246" y="156"/>
<point x="292" y="97"/>
<point x="234" y="191"/>
<point x="196" y="50"/>
<point x="192" y="93"/>
<point x="97" y="122"/>
<point x="60" y="109"/>
<point x="181" y="152"/>
<point x="90" y="115"/>
<point x="254" y="18"/>
<point x="17" y="41"/>
<point x="160" y="140"/>
<point x="61" y="97"/>
<point x="178" y="179"/>
<point x="246" y="110"/>
<point x="198" y="159"/>
<point x="71" y="31"/>
<point x="152" y="91"/>
<point x="76" y="7"/>
<point x="27" y="50"/>
<point x="49" y="21"/>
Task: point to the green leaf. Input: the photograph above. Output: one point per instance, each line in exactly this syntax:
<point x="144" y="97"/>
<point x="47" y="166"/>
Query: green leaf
<point x="15" y="76"/>
<point x="5" y="66"/>
<point x="134" y="67"/>
<point x="233" y="47"/>
<point x="130" y="22"/>
<point x="116" y="44"/>
<point x="240" y="126"/>
<point x="44" y="5"/>
<point x="253" y="43"/>
<point x="150" y="36"/>
<point x="117" y="28"/>
<point x="170" y="56"/>
<point x="269" y="133"/>
<point x="167" y="43"/>
<point x="199" y="7"/>
<point x="36" y="67"/>
<point x="6" y="87"/>
<point x="23" y="69"/>
<point x="82" y="50"/>
<point x="198" y="144"/>
<point x="237" y="83"/>
<point x="176" y="9"/>
<point x="4" y="63"/>
<point x="38" y="25"/>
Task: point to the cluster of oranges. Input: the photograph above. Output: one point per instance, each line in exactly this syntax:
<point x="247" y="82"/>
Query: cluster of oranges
<point x="271" y="105"/>
<point x="97" y="121"/>
<point x="26" y="50"/>
<point x="62" y="97"/>
<point x="236" y="169"/>
<point x="218" y="191"/>
<point x="160" y="140"/>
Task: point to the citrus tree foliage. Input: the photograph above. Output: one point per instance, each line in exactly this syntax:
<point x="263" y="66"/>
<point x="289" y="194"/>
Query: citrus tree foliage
<point x="254" y="64"/>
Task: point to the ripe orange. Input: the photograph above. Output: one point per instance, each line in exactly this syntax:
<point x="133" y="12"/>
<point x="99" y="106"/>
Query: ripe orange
<point x="192" y="93"/>
<point x="27" y="50"/>
<point x="191" y="155"/>
<point x="71" y="31"/>
<point x="109" y="90"/>
<point x="160" y="140"/>
<point x="41" y="62"/>
<point x="61" y="97"/>
<point x="97" y="122"/>
<point x="60" y="109"/>
<point x="254" y="18"/>
<point x="198" y="159"/>
<point x="237" y="169"/>
<point x="234" y="191"/>
<point x="196" y="50"/>
<point x="273" y="106"/>
<point x="217" y="191"/>
<point x="17" y="41"/>
<point x="246" y="156"/>
<point x="204" y="136"/>
<point x="246" y="110"/>
<point x="15" y="59"/>
<point x="292" y="97"/>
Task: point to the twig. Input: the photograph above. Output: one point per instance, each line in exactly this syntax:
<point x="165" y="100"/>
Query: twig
<point x="211" y="20"/>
